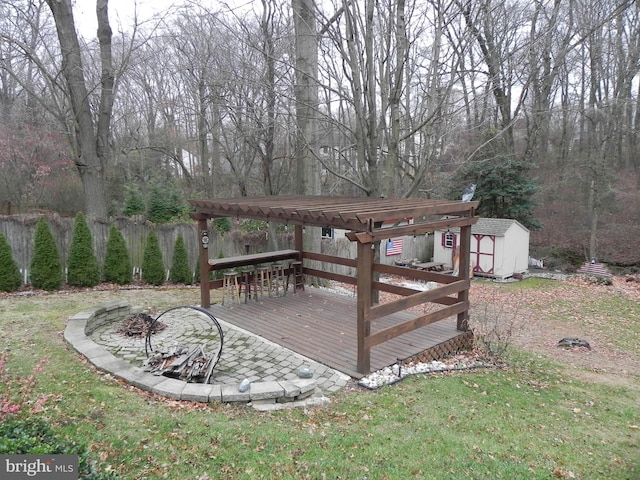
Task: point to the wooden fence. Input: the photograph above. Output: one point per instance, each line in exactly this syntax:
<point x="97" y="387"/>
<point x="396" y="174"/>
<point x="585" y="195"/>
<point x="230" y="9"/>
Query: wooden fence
<point x="19" y="231"/>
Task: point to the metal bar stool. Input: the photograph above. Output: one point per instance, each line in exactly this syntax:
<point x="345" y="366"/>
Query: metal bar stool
<point x="230" y="288"/>
<point x="278" y="280"/>
<point x="263" y="280"/>
<point x="247" y="283"/>
<point x="295" y="269"/>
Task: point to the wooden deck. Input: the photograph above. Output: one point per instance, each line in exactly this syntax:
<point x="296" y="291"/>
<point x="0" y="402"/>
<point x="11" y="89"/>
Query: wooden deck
<point x="322" y="326"/>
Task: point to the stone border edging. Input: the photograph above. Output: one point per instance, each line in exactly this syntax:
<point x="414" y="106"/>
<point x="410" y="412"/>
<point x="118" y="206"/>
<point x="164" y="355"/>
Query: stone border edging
<point x="262" y="395"/>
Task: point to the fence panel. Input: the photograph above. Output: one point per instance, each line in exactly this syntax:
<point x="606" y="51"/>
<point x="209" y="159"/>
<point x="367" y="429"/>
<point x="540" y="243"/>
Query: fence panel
<point x="19" y="231"/>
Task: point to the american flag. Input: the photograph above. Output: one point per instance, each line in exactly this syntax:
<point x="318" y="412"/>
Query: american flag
<point x="394" y="246"/>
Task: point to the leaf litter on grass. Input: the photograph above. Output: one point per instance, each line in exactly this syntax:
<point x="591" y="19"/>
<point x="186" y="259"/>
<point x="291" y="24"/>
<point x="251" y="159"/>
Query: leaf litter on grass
<point x="608" y="317"/>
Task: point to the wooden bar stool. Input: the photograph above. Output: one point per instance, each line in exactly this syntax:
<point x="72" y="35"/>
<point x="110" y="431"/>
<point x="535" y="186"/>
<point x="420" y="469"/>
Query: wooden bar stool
<point x="230" y="290"/>
<point x="247" y="283"/>
<point x="295" y="269"/>
<point x="278" y="280"/>
<point x="263" y="280"/>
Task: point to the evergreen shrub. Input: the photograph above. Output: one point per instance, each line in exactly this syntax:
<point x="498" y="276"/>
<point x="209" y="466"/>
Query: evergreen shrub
<point x="134" y="201"/>
<point x="180" y="271"/>
<point x="163" y="202"/>
<point x="152" y="262"/>
<point x="117" y="262"/>
<point x="46" y="267"/>
<point x="82" y="269"/>
<point x="33" y="436"/>
<point x="10" y="279"/>
<point x="504" y="188"/>
<point x="222" y="225"/>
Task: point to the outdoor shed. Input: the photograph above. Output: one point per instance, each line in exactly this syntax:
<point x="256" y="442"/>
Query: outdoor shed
<point x="499" y="247"/>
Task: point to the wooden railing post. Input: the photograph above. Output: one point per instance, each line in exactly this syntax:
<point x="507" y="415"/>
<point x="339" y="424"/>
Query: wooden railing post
<point x="203" y="242"/>
<point x="364" y="296"/>
<point x="463" y="273"/>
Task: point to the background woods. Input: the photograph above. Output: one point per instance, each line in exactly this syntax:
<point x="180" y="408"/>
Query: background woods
<point x="371" y="98"/>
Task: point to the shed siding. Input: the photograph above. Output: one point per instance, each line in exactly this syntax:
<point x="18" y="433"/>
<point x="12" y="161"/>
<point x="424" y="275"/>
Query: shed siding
<point x="516" y="250"/>
<point x="499" y="248"/>
<point x="484" y="249"/>
<point x="442" y="254"/>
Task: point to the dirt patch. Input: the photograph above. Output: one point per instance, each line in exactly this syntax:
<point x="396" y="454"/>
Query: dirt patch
<point x="536" y="318"/>
<point x="574" y="308"/>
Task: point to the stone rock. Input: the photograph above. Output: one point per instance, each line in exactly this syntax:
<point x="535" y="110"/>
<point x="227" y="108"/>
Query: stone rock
<point x="244" y="385"/>
<point x="569" y="342"/>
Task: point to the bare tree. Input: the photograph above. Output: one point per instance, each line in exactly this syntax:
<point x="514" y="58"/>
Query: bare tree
<point x="89" y="139"/>
<point x="495" y="26"/>
<point x="551" y="39"/>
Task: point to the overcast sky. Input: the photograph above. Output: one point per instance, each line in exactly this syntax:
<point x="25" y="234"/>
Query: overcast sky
<point x="121" y="13"/>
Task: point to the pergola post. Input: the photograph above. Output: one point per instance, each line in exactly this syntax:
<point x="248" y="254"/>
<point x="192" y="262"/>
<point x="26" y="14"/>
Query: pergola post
<point x="203" y="237"/>
<point x="463" y="274"/>
<point x="298" y="239"/>
<point x="364" y="298"/>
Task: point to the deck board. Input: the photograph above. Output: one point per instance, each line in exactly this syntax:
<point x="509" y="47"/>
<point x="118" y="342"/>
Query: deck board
<point x="321" y="325"/>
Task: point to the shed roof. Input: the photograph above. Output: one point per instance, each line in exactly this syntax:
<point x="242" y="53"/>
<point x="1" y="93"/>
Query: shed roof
<point x="362" y="215"/>
<point x="495" y="226"/>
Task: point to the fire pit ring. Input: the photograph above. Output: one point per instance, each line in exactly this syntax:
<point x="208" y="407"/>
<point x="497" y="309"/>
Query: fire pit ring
<point x="218" y="343"/>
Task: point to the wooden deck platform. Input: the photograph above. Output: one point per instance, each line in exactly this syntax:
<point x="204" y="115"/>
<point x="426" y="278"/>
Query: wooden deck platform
<point x="321" y="325"/>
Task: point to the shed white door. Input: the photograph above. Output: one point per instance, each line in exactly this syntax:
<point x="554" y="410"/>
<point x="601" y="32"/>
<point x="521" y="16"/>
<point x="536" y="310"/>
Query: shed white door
<point x="483" y="250"/>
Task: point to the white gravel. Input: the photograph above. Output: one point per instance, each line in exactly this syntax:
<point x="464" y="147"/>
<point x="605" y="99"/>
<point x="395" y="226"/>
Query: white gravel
<point x="396" y="372"/>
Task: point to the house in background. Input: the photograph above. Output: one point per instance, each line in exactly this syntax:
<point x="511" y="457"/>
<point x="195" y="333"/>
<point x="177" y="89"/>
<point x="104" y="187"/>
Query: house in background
<point x="499" y="247"/>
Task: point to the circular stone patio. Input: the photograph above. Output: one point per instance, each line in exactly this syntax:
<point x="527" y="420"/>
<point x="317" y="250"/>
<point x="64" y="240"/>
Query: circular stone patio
<point x="271" y="368"/>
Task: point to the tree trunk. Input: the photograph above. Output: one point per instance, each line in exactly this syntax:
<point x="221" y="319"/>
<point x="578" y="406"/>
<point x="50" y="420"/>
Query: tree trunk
<point x="90" y="143"/>
<point x="395" y="97"/>
<point x="269" y="55"/>
<point x="593" y="225"/>
<point x="306" y="91"/>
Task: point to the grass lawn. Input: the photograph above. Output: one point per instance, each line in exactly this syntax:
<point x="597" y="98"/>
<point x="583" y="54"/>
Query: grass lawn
<point x="530" y="421"/>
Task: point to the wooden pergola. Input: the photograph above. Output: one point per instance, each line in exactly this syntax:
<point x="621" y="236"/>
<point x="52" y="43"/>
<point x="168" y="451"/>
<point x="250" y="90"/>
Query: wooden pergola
<point x="367" y="222"/>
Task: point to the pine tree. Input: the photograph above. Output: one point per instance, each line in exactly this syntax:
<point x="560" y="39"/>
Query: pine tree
<point x="46" y="267"/>
<point x="10" y="279"/>
<point x="134" y="201"/>
<point x="503" y="186"/>
<point x="180" y="271"/>
<point x="222" y="225"/>
<point x="163" y="203"/>
<point x="82" y="269"/>
<point x="152" y="262"/>
<point x="117" y="262"/>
